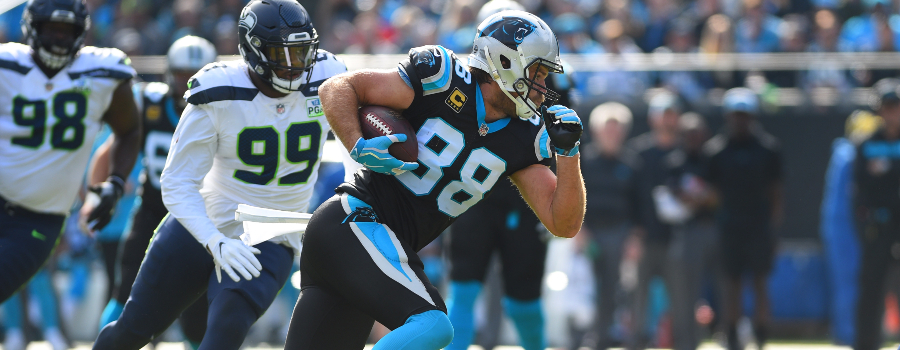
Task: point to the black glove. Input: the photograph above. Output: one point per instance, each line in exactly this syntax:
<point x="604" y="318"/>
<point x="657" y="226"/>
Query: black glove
<point x="564" y="128"/>
<point x="107" y="195"/>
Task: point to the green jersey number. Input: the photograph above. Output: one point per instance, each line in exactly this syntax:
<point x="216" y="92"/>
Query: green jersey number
<point x="259" y="147"/>
<point x="69" y="108"/>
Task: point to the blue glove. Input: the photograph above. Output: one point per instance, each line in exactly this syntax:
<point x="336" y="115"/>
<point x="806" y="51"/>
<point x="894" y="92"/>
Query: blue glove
<point x="564" y="128"/>
<point x="373" y="154"/>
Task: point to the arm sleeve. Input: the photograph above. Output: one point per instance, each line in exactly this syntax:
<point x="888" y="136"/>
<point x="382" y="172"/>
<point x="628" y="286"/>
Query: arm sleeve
<point x="190" y="158"/>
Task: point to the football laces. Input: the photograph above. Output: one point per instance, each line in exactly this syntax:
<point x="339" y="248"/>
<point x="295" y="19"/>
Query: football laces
<point x="378" y="124"/>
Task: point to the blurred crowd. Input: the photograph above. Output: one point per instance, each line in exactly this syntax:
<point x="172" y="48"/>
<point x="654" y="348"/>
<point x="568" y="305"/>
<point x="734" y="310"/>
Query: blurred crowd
<point x="141" y="27"/>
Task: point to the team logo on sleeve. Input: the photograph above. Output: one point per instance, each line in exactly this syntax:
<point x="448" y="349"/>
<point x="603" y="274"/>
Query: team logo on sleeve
<point x="456" y="100"/>
<point x="425" y="57"/>
<point x="193" y="83"/>
<point x="314" y="108"/>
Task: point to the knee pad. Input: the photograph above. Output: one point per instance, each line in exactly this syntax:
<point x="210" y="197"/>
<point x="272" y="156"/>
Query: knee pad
<point x="436" y="325"/>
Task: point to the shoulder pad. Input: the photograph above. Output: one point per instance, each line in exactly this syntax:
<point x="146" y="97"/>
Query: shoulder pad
<point x="433" y="65"/>
<point x="13" y="57"/>
<point x="96" y="62"/>
<point x="220" y="81"/>
<point x="156" y="91"/>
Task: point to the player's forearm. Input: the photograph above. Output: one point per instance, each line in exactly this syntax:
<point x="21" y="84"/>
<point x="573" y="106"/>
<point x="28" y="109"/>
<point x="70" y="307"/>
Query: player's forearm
<point x="340" y="103"/>
<point x="568" y="205"/>
<point x="190" y="159"/>
<point x="185" y="203"/>
<point x="124" y="152"/>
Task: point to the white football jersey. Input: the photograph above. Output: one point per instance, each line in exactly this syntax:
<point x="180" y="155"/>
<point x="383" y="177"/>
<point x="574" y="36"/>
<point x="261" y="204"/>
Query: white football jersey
<point x="235" y="145"/>
<point x="47" y="126"/>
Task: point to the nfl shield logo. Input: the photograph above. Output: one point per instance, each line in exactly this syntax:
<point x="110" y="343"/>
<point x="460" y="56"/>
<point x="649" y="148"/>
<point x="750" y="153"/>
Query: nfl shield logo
<point x="483" y="130"/>
<point x="280" y="108"/>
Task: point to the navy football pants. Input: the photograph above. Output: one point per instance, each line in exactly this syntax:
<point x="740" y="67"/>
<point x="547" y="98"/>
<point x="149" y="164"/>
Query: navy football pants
<point x="176" y="272"/>
<point x="26" y="241"/>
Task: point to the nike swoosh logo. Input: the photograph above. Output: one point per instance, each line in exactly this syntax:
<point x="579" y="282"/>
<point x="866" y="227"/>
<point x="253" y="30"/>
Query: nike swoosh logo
<point x="38" y="235"/>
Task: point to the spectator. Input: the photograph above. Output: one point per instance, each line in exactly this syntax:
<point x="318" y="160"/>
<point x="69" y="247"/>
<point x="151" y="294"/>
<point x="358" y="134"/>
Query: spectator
<point x="571" y="29"/>
<point x="372" y="35"/>
<point x="456" y="27"/>
<point x="718" y="37"/>
<point x="617" y="85"/>
<point x="226" y="42"/>
<point x="757" y="31"/>
<point x="660" y="15"/>
<point x="652" y="148"/>
<point x="824" y="73"/>
<point x="877" y="207"/>
<point x="611" y="211"/>
<point x="691" y="85"/>
<point x="693" y="251"/>
<point x="745" y="169"/>
<point x="870" y="31"/>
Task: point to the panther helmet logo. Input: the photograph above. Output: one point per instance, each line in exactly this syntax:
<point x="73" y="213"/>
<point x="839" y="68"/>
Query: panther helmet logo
<point x="510" y="31"/>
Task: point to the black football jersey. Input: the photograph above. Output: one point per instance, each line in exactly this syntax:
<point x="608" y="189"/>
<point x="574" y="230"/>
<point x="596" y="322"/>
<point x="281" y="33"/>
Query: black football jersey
<point x="461" y="157"/>
<point x="159" y="118"/>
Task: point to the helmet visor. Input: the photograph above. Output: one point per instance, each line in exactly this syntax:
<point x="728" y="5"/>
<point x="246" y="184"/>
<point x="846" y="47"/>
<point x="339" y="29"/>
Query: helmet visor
<point x="292" y="57"/>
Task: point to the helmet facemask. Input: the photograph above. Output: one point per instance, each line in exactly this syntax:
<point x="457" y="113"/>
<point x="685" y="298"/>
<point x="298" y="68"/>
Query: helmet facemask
<point x="54" y="51"/>
<point x="290" y="64"/>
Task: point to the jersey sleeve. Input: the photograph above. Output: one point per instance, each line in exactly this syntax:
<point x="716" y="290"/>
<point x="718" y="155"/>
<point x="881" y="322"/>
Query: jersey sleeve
<point x="190" y="158"/>
<point x="428" y="69"/>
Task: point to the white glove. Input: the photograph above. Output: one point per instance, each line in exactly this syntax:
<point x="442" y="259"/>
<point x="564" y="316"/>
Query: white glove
<point x="233" y="255"/>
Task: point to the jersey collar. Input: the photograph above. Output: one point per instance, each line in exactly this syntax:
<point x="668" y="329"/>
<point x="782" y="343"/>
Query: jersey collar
<point x="486" y="128"/>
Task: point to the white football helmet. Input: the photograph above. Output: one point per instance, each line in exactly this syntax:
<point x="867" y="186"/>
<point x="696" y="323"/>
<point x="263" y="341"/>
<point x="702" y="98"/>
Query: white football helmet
<point x="190" y="53"/>
<point x="506" y="45"/>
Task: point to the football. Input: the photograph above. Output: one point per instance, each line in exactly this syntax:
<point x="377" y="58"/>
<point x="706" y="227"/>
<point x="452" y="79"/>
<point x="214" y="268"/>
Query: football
<point x="382" y="121"/>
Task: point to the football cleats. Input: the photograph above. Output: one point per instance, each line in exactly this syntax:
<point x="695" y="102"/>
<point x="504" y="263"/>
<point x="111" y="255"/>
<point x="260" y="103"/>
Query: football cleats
<point x="279" y="43"/>
<point x="507" y="45"/>
<point x="55" y="50"/>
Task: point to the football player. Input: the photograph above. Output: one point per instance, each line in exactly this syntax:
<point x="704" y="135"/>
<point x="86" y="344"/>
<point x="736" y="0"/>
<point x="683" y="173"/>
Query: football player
<point x="476" y="124"/>
<point x="54" y="95"/>
<point x="502" y="223"/>
<point x="161" y="105"/>
<point x="252" y="133"/>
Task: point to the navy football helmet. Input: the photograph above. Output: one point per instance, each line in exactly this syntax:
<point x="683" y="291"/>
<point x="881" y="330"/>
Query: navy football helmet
<point x="55" y="51"/>
<point x="278" y="42"/>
